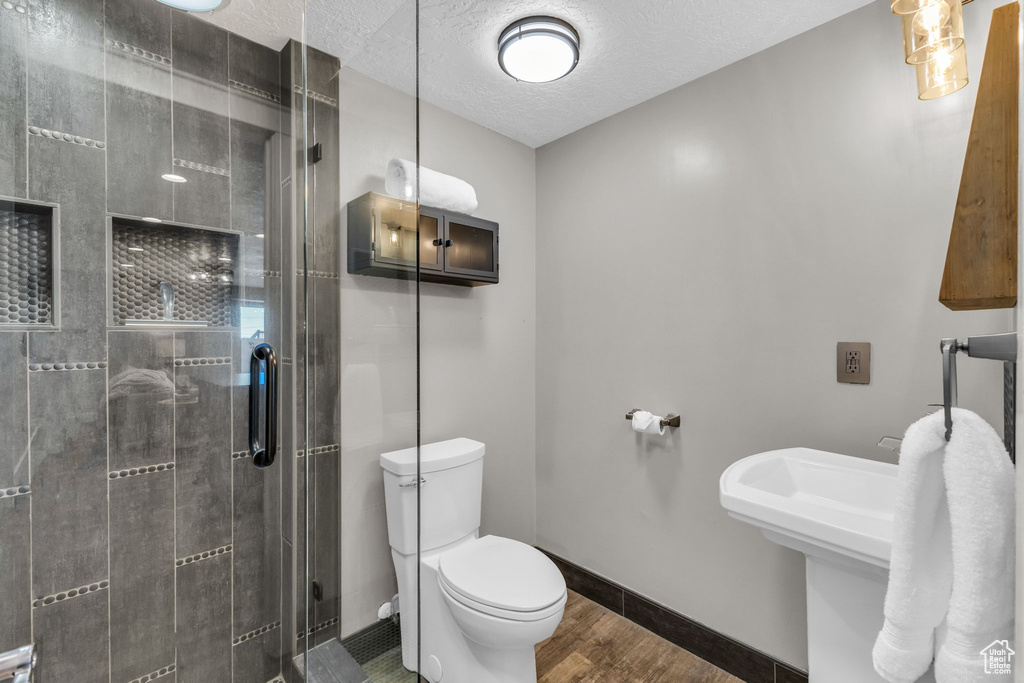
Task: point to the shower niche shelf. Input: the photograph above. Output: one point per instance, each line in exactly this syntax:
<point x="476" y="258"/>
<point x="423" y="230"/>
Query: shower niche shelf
<point x="29" y="272"/>
<point x="201" y="266"/>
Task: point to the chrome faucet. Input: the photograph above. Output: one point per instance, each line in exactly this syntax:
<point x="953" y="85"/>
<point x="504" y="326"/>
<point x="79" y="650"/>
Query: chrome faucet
<point x="891" y="443"/>
<point x="167" y="294"/>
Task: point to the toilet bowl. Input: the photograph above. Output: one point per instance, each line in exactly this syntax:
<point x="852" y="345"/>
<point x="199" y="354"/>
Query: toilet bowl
<point x="502" y="593"/>
<point x="482" y="604"/>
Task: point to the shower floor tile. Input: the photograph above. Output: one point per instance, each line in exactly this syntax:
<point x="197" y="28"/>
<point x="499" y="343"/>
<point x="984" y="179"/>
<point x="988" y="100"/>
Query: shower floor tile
<point x="387" y="668"/>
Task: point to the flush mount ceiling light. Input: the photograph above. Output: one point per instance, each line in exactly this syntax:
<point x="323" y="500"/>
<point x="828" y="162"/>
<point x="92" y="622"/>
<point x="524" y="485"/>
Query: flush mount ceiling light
<point x="193" y="5"/>
<point x="174" y="178"/>
<point x="538" y="49"/>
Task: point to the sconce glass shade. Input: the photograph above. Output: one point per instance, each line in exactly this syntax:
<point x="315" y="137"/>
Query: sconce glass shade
<point x="910" y="6"/>
<point x="943" y="75"/>
<point x="933" y="30"/>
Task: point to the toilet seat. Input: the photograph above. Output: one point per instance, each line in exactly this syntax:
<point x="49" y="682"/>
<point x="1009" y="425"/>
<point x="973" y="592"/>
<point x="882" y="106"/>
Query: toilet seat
<point x="503" y="578"/>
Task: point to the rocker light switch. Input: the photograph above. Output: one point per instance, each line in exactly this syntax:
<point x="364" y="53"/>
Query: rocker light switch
<point x="853" y="362"/>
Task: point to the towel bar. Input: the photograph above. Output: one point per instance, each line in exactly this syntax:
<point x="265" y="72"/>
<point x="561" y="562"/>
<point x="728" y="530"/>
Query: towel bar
<point x="670" y="420"/>
<point x="1001" y="347"/>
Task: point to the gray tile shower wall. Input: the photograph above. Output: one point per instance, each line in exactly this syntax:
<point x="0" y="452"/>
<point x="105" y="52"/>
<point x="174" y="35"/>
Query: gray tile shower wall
<point x="137" y="541"/>
<point x="13" y="141"/>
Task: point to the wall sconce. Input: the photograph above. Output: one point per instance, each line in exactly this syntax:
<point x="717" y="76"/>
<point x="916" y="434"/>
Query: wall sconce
<point x="933" y="42"/>
<point x="395" y="235"/>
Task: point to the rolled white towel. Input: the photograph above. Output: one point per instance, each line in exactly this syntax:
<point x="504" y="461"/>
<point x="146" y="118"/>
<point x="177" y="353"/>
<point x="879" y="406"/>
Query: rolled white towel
<point x="436" y="189"/>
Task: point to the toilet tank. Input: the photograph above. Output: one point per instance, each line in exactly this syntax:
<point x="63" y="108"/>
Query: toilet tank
<point x="451" y="482"/>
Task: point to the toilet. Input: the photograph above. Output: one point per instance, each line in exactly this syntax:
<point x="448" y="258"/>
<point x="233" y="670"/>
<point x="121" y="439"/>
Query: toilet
<point x="483" y="603"/>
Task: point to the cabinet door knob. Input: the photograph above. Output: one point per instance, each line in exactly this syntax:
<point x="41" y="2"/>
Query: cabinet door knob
<point x="437" y="243"/>
<point x="448" y="243"/>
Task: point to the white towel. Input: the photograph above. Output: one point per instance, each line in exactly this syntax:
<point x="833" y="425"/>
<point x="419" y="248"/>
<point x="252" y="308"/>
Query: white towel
<point x="980" y="487"/>
<point x="436" y="189"/>
<point x="921" y="563"/>
<point x="951" y="568"/>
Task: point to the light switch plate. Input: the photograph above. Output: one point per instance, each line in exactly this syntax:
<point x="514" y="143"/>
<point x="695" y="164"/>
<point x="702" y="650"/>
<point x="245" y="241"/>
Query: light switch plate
<point x="853" y="362"/>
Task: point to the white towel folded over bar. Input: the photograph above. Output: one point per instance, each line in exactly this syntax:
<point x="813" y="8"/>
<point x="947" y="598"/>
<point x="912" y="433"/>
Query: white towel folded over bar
<point x="951" y="574"/>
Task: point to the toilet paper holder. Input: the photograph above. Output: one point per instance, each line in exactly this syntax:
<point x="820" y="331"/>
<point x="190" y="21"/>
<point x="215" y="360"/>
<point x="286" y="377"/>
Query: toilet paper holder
<point x="670" y="420"/>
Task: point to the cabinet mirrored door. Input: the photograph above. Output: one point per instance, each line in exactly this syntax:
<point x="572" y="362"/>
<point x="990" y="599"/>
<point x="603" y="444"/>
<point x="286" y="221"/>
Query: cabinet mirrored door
<point x="471" y="247"/>
<point x="395" y="234"/>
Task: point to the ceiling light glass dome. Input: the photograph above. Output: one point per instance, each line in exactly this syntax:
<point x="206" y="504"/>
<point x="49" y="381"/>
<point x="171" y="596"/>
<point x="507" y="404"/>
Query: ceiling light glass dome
<point x="538" y="49"/>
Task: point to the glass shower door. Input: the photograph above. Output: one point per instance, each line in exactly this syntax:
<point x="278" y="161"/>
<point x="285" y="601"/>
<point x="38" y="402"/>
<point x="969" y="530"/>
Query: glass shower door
<point x="360" y="342"/>
<point x="151" y="224"/>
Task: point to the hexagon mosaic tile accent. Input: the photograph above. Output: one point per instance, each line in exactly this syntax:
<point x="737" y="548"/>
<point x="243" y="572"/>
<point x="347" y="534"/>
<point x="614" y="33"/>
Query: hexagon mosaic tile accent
<point x="200" y="264"/>
<point x="26" y="267"/>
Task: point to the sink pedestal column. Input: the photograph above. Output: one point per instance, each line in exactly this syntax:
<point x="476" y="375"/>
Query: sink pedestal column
<point x="845" y="599"/>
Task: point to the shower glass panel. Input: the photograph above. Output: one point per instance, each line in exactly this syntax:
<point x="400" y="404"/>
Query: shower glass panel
<point x="154" y="208"/>
<point x="362" y="398"/>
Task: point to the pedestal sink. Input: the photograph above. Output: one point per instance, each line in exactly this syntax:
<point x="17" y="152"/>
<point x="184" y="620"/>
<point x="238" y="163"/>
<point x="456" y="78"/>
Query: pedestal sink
<point x="837" y="511"/>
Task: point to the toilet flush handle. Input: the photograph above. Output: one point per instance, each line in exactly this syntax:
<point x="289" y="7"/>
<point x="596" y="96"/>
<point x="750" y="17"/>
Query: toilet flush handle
<point x="413" y="482"/>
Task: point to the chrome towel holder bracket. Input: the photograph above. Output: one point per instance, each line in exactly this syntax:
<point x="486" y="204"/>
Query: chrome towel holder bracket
<point x="1001" y="347"/>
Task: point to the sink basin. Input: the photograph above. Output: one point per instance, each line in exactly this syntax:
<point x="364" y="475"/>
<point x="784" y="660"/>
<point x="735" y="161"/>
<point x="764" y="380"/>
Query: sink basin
<point x="805" y="498"/>
<point x="837" y="510"/>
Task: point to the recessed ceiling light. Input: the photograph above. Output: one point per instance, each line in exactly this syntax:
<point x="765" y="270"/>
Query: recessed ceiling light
<point x="136" y="249"/>
<point x="174" y="178"/>
<point x="224" y="258"/>
<point x="150" y="219"/>
<point x="193" y="5"/>
<point x="538" y="49"/>
<point x="260" y="235"/>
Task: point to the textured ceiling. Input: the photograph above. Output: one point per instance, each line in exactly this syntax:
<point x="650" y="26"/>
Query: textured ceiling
<point x="631" y="50"/>
<point x="268" y="22"/>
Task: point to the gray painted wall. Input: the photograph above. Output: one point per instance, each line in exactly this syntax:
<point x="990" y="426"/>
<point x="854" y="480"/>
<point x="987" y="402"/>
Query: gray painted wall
<point x="478" y="344"/>
<point x="702" y="253"/>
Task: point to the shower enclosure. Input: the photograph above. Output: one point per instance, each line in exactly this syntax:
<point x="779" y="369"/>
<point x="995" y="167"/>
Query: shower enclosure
<point x="195" y="393"/>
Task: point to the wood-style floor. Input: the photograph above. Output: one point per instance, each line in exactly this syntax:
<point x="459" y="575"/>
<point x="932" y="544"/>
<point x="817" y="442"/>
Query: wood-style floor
<point x="595" y="645"/>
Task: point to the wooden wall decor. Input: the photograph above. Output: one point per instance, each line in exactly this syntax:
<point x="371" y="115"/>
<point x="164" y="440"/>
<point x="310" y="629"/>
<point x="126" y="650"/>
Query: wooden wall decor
<point x="981" y="261"/>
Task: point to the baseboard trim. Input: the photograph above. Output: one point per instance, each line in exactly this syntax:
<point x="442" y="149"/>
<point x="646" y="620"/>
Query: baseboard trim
<point x="740" y="660"/>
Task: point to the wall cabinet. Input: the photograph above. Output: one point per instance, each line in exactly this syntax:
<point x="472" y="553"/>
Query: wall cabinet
<point x="454" y="248"/>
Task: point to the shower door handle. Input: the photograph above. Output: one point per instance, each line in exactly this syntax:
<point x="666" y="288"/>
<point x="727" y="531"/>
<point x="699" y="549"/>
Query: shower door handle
<point x="17" y="665"/>
<point x="263" y="354"/>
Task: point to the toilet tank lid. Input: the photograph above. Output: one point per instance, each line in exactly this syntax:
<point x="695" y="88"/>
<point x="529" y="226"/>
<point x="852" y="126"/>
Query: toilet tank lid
<point x="434" y="457"/>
